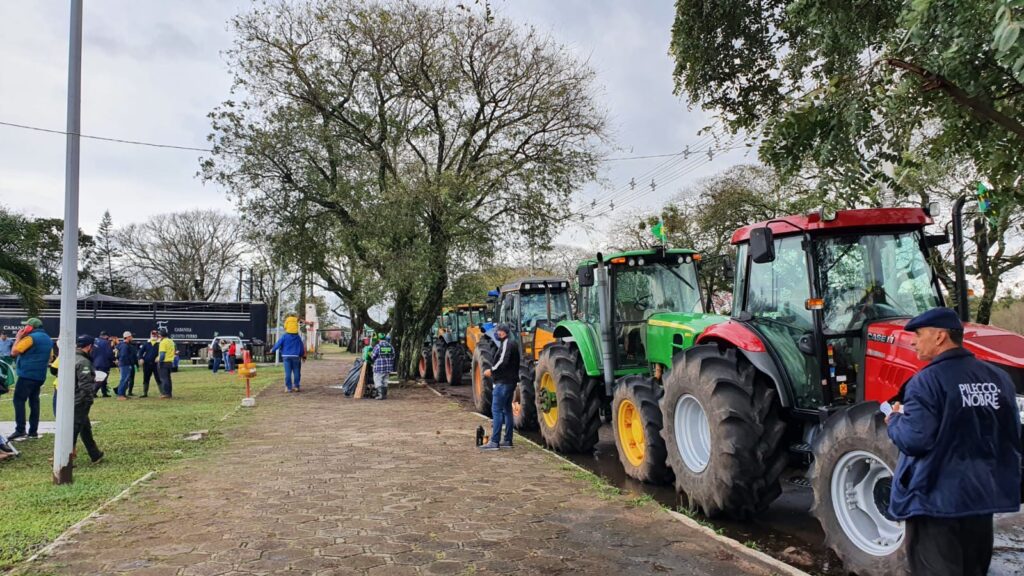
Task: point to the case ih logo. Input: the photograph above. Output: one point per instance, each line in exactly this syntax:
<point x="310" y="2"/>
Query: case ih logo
<point x="875" y="337"/>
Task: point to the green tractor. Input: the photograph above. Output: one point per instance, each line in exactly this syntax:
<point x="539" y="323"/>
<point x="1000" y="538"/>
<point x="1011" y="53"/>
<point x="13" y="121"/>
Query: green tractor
<point x="532" y="307"/>
<point x="638" y="311"/>
<point x="452" y="347"/>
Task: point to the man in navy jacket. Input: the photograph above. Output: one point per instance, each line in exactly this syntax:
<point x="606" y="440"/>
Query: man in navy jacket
<point x="958" y="433"/>
<point x="103" y="361"/>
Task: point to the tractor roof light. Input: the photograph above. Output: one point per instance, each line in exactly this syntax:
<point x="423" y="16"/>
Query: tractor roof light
<point x="527" y="286"/>
<point x="619" y="260"/>
<point x="696" y="257"/>
<point x="814" y="303"/>
<point x="565" y="284"/>
<point x="632" y="262"/>
<point x="640" y="261"/>
<point x="681" y="259"/>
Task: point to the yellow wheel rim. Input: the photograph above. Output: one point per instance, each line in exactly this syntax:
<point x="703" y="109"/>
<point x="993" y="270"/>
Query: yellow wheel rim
<point x="547" y="388"/>
<point x="478" y="382"/>
<point x="630" y="429"/>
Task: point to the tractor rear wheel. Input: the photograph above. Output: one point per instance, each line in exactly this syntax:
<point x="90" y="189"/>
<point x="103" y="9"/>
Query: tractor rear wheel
<point x="454" y="364"/>
<point x="483" y="388"/>
<point x="723" y="432"/>
<point x="437" y="361"/>
<point x="568" y="402"/>
<point x="524" y="408"/>
<point x="425" y="367"/>
<point x="636" y="420"/>
<point x="852" y="477"/>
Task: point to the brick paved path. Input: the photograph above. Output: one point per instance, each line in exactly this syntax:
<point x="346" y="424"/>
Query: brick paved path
<point x="318" y="484"/>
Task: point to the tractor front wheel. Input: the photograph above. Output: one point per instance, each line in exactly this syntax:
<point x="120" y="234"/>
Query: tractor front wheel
<point x="852" y="478"/>
<point x="454" y="364"/>
<point x="568" y="402"/>
<point x="723" y="432"/>
<point x="524" y="408"/>
<point x="425" y="367"/>
<point x="483" y="387"/>
<point x="437" y="352"/>
<point x="636" y="420"/>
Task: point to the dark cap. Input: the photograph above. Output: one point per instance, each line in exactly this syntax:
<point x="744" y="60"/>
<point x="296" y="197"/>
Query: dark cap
<point x="163" y="331"/>
<point x="944" y="318"/>
<point x="504" y="328"/>
<point x="103" y="333"/>
<point x="84" y="340"/>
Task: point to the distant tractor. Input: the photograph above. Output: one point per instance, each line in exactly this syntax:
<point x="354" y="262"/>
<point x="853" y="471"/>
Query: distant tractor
<point x="425" y="367"/>
<point x="814" y="344"/>
<point x="451" y="347"/>
<point x="532" y="307"/>
<point x="638" y="311"/>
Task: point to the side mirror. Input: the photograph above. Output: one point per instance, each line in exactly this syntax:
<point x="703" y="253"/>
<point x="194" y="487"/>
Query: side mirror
<point x="585" y="275"/>
<point x="936" y="240"/>
<point x="806" y="344"/>
<point x="762" y="245"/>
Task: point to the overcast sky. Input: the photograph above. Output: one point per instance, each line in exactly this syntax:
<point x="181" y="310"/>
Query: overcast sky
<point x="153" y="69"/>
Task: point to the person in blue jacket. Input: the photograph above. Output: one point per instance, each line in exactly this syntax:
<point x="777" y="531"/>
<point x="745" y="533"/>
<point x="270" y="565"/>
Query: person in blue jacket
<point x="958" y="433"/>
<point x="148" y="355"/>
<point x="127" y="358"/>
<point x="293" y="353"/>
<point x="103" y="361"/>
<point x="31" y="350"/>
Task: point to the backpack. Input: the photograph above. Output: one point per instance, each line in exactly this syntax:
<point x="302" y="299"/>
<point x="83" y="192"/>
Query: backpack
<point x="7" y="377"/>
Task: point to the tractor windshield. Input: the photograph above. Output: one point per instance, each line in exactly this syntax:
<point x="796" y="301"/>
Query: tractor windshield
<point x="535" y="308"/>
<point x="867" y="277"/>
<point x="641" y="291"/>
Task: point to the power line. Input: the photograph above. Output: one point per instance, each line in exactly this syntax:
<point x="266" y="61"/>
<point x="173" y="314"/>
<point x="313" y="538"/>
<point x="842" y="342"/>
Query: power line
<point x="107" y="139"/>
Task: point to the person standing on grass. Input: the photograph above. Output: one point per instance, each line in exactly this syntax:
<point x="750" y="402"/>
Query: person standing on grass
<point x="232" y="351"/>
<point x="103" y="360"/>
<point x="165" y="362"/>
<point x="127" y="357"/>
<point x="6" y="346"/>
<point x="383" y="358"/>
<point x="217" y="354"/>
<point x="31" y="349"/>
<point x="958" y="433"/>
<point x="505" y="373"/>
<point x="148" y="354"/>
<point x="85" y="383"/>
<point x="293" y="353"/>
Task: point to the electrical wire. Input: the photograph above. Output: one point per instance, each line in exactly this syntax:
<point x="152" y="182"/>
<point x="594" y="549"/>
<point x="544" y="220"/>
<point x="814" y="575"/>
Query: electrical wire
<point x="106" y="139"/>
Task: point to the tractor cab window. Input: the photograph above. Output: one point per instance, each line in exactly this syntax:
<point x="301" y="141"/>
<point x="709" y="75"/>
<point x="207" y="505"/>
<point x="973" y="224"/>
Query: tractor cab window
<point x="508" y="312"/>
<point x="642" y="291"/>
<point x="868" y="277"/>
<point x="777" y="294"/>
<point x="535" y="308"/>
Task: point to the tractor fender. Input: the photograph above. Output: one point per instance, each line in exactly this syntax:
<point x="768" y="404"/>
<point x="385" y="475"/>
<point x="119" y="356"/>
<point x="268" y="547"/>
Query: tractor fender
<point x="583" y="336"/>
<point x="747" y="343"/>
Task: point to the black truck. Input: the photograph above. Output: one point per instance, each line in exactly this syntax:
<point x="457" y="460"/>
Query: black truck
<point x="192" y="325"/>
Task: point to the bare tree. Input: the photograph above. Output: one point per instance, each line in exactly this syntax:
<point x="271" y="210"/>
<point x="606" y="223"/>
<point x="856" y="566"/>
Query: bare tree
<point x="185" y="255"/>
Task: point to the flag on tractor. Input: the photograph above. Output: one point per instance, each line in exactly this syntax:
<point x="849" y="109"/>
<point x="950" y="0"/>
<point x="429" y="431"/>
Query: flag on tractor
<point x="658" y="230"/>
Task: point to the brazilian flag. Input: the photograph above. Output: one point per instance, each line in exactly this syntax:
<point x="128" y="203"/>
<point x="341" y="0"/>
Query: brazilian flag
<point x="658" y="230"/>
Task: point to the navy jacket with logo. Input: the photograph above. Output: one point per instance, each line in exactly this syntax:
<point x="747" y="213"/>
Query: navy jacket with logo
<point x="959" y="441"/>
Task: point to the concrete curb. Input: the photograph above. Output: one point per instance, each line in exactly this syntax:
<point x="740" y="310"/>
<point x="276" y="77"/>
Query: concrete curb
<point x="733" y="545"/>
<point x="77" y="526"/>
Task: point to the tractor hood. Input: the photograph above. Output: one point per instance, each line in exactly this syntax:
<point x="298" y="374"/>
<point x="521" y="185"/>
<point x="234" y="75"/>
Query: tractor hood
<point x="986" y="342"/>
<point x="669" y="333"/>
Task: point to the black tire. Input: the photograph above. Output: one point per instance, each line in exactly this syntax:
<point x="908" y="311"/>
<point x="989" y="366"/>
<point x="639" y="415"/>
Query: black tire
<point x="455" y="364"/>
<point x="745" y="432"/>
<point x="483" y="388"/>
<point x="425" y="368"/>
<point x="860" y="428"/>
<point x="437" y="360"/>
<point x="577" y="399"/>
<point x="642" y="395"/>
<point x="524" y="409"/>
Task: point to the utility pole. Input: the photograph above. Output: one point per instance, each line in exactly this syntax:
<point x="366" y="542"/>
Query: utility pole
<point x="63" y="442"/>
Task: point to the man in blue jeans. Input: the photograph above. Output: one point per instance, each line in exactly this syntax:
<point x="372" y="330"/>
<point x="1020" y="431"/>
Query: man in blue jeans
<point x="505" y="373"/>
<point x="31" y="351"/>
<point x="127" y="358"/>
<point x="293" y="352"/>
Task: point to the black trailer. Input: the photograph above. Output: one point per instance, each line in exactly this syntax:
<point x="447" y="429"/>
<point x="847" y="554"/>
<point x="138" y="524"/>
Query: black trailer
<point x="192" y="325"/>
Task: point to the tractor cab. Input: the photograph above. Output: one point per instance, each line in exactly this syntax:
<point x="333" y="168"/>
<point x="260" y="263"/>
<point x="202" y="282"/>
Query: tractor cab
<point x="532" y="307"/>
<point x="654" y="304"/>
<point x="829" y="294"/>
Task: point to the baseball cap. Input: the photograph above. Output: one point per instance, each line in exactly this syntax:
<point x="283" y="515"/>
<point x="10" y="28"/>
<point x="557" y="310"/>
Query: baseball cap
<point x="126" y="334"/>
<point x="84" y="340"/>
<point x="163" y="331"/>
<point x="33" y="322"/>
<point x="945" y="318"/>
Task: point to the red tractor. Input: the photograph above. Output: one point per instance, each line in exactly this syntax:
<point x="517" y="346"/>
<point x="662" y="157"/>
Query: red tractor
<point x="796" y="374"/>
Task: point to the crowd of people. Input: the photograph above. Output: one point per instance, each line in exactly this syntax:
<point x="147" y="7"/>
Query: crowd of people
<point x="26" y="359"/>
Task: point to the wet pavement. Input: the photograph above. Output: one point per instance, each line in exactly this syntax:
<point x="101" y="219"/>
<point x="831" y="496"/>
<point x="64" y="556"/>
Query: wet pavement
<point x="786" y="531"/>
<point x="317" y="484"/>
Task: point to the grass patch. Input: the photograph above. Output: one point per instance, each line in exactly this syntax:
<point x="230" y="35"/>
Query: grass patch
<point x="137" y="436"/>
<point x="752" y="545"/>
<point x="641" y="500"/>
<point x="692" y="514"/>
<point x="603" y="490"/>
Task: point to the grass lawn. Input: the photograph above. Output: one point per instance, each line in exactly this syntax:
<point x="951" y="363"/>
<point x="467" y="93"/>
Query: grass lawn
<point x="138" y="436"/>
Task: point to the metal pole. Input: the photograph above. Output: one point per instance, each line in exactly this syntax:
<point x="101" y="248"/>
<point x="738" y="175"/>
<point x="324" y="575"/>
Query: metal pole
<point x="960" y="288"/>
<point x="64" y="440"/>
<point x="277" y="331"/>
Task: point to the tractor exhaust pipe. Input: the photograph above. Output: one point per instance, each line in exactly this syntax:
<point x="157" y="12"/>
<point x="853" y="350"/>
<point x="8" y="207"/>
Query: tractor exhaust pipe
<point x="604" y="307"/>
<point x="962" y="308"/>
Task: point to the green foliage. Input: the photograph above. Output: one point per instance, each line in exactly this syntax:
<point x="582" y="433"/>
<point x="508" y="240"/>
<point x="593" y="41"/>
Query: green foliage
<point x="382" y="142"/>
<point x="852" y="94"/>
<point x="106" y="262"/>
